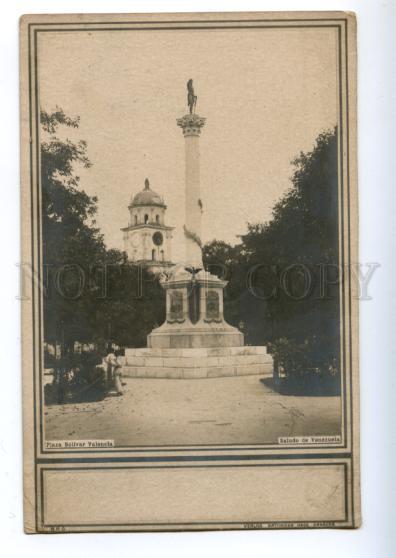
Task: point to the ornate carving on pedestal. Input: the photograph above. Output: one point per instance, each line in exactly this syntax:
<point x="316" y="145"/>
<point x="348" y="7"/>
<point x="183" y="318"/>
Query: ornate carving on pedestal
<point x="176" y="310"/>
<point x="194" y="312"/>
<point x="212" y="309"/>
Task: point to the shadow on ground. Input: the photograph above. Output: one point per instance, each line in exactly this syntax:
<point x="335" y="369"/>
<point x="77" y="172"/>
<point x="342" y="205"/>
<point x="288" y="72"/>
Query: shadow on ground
<point x="309" y="387"/>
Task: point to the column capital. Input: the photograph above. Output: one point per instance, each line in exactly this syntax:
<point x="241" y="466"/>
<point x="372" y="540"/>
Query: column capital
<point x="191" y="124"/>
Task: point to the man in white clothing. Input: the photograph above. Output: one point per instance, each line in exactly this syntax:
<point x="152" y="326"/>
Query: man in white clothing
<point x="114" y="371"/>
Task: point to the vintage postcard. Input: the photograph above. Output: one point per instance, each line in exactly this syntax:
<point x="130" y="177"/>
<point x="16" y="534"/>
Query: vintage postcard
<point x="189" y="230"/>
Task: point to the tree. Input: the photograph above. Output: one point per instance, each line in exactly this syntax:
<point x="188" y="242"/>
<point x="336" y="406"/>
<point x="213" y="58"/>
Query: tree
<point x="93" y="294"/>
<point x="68" y="212"/>
<point x="71" y="241"/>
<point x="302" y="237"/>
<point x="302" y="232"/>
<point x="134" y="303"/>
<point x="305" y="220"/>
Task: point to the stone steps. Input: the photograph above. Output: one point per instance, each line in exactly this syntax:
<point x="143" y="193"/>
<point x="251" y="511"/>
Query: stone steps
<point x="195" y="373"/>
<point x="198" y="352"/>
<point x="196" y="363"/>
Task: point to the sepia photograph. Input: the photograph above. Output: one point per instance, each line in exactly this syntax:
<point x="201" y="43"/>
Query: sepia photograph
<point x="190" y="237"/>
<point x="191" y="216"/>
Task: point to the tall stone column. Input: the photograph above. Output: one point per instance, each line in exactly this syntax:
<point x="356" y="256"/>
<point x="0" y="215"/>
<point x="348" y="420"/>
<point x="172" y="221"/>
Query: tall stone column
<point x="191" y="125"/>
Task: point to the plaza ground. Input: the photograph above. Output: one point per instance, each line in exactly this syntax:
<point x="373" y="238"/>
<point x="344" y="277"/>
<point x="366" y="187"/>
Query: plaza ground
<point x="237" y="410"/>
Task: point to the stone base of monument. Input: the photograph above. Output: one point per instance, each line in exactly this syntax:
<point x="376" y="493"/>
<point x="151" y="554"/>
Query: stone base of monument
<point x="203" y="362"/>
<point x="195" y="341"/>
<point x="194" y="336"/>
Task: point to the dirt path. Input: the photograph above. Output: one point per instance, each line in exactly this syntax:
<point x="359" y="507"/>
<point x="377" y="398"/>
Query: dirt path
<point x="240" y="410"/>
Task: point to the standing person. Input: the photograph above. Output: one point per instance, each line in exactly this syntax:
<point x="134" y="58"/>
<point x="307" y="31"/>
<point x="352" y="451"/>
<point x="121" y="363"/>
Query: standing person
<point x="118" y="377"/>
<point x="114" y="371"/>
<point x="111" y="361"/>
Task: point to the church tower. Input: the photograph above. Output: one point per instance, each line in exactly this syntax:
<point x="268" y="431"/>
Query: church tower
<point x="147" y="240"/>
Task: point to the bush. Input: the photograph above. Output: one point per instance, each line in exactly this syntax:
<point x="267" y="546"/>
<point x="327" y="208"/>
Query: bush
<point x="304" y="368"/>
<point x="77" y="377"/>
<point x="50" y="360"/>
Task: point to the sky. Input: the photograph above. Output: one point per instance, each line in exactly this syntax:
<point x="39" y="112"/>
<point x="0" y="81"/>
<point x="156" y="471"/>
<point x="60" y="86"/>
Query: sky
<point x="266" y="95"/>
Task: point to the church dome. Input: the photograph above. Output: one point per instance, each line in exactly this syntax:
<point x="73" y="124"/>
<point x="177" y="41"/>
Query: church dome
<point x="147" y="197"/>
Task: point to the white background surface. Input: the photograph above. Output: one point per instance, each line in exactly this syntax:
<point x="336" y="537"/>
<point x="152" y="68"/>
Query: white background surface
<point x="376" y="53"/>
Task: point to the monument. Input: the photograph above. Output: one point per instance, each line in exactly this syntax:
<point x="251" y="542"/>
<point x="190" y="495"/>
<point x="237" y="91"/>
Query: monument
<point x="195" y="341"/>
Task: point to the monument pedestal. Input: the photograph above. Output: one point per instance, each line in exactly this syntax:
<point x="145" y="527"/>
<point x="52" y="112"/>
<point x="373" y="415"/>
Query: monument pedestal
<point x="195" y="341"/>
<point x="194" y="313"/>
